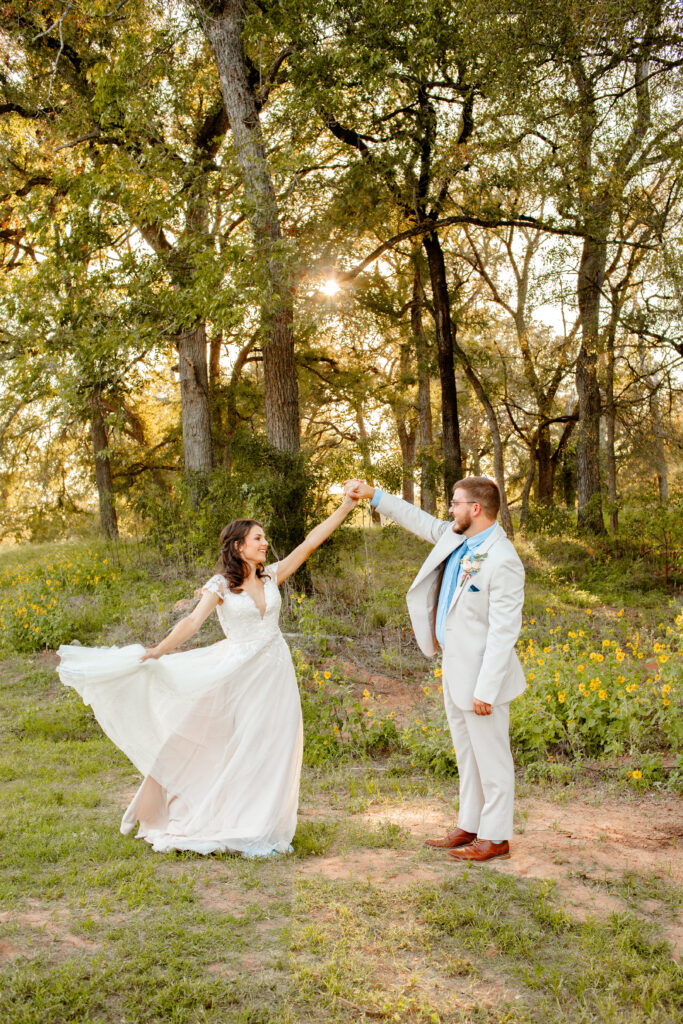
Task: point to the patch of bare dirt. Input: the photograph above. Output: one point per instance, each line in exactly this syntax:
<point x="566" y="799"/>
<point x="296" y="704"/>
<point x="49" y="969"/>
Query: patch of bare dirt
<point x="579" y="847"/>
<point x="47" y="927"/>
<point x="224" y="899"/>
<point x="8" y="951"/>
<point x="392" y="694"/>
<point x="48" y="659"/>
<point x="385" y="869"/>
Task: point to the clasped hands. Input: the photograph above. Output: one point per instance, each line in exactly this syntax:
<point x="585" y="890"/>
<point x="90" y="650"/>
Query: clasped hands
<point x="357" y="490"/>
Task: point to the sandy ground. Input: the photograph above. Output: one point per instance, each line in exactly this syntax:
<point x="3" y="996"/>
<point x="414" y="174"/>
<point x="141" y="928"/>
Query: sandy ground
<point x="584" y="848"/>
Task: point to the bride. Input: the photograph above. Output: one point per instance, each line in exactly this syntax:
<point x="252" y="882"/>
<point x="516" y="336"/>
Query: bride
<point x="215" y="731"/>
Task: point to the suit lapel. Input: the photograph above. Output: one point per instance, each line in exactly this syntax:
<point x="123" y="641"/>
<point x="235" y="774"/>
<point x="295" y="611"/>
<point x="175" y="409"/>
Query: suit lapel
<point x="446" y="544"/>
<point x="483" y="549"/>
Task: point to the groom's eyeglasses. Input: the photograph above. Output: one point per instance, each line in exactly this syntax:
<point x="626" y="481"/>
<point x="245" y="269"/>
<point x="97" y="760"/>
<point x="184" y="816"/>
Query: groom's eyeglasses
<point x="464" y="503"/>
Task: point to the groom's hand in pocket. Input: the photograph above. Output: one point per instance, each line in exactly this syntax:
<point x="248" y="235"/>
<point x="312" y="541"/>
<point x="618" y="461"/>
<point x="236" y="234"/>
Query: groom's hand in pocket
<point x="480" y="707"/>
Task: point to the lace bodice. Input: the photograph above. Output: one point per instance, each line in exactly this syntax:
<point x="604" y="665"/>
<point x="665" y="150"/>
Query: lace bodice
<point x="240" y="618"/>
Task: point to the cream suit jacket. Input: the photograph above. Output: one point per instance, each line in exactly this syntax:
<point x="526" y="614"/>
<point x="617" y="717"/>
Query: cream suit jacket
<point x="483" y="625"/>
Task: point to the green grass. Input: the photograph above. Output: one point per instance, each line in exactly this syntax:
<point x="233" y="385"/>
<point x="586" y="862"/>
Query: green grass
<point x="97" y="929"/>
<point x="100" y="929"/>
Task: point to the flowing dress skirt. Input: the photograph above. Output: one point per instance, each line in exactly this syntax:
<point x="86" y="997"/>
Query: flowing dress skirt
<point x="216" y="733"/>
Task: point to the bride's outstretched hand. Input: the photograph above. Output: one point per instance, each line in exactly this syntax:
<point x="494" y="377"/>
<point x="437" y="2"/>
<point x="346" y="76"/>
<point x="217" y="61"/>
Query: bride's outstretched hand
<point x="358" y="489"/>
<point x="150" y="652"/>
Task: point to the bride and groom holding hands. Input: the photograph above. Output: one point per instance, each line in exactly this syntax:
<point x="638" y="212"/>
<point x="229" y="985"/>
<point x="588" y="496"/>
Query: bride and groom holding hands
<point x="217" y="732"/>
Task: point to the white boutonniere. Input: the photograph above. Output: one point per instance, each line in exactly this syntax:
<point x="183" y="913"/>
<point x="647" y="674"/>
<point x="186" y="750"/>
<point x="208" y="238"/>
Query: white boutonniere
<point x="470" y="566"/>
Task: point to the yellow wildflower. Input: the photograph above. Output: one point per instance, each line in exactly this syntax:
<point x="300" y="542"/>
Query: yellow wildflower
<point x="602" y="694"/>
<point x="637" y="774"/>
<point x="561" y="696"/>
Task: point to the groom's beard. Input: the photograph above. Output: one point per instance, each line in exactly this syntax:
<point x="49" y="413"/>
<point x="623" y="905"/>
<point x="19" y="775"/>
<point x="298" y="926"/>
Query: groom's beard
<point x="462" y="523"/>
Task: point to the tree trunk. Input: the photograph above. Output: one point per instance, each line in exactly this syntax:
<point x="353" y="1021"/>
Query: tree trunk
<point x="611" y="420"/>
<point x="215" y="347"/>
<point x="544" y="461"/>
<point x="231" y="413"/>
<point x="658" y="432"/>
<point x="408" y="441"/>
<point x="492" y="420"/>
<point x="192" y="366"/>
<point x="103" y="480"/>
<point x="452" y="454"/>
<point x="424" y="398"/>
<point x="662" y="477"/>
<point x="223" y="23"/>
<point x="565" y="460"/>
<point x="194" y="397"/>
<point x="590" y="281"/>
<point x="526" y="491"/>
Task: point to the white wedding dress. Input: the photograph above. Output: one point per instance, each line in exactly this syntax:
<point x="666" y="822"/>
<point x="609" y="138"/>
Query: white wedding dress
<point x="216" y="732"/>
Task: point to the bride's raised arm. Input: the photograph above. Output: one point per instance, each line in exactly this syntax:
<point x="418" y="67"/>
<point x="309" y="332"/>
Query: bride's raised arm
<point x="287" y="566"/>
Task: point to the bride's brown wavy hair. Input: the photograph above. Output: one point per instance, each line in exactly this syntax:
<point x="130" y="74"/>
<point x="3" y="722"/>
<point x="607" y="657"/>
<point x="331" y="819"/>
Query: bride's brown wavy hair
<point x="233" y="566"/>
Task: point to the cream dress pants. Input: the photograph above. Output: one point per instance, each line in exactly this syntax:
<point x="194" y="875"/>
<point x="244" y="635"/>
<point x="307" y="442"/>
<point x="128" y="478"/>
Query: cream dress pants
<point x="486" y="769"/>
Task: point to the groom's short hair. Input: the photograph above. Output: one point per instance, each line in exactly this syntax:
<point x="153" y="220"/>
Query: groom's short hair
<point x="483" y="491"/>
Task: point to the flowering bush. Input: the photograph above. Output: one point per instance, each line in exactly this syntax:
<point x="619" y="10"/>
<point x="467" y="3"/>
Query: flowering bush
<point x="598" y="688"/>
<point x="53" y="601"/>
<point x="336" y="723"/>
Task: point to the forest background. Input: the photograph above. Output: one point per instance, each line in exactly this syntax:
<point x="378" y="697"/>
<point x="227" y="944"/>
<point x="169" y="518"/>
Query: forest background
<point x="442" y="239"/>
<point x="250" y="248"/>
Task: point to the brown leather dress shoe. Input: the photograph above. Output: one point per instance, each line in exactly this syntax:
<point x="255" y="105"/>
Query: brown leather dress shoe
<point x="458" y="837"/>
<point x="481" y="849"/>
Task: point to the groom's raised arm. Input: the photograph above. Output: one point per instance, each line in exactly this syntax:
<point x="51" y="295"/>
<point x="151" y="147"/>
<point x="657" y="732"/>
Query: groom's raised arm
<point x="402" y="512"/>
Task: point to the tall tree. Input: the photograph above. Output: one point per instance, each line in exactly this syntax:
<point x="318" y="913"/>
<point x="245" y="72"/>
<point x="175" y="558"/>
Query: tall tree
<point x="223" y="22"/>
<point x="128" y="137"/>
<point x="598" y="68"/>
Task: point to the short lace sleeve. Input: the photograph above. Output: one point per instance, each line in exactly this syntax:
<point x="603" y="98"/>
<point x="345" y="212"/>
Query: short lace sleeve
<point x="216" y="585"/>
<point x="272" y="571"/>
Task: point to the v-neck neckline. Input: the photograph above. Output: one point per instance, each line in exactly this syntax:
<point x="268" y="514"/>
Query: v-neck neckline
<point x="265" y="602"/>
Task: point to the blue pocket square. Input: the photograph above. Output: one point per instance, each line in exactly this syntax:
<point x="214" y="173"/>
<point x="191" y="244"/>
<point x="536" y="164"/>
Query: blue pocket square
<point x="474" y="590"/>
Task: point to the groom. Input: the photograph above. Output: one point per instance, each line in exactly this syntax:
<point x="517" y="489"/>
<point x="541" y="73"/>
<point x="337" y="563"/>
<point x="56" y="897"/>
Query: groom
<point x="467" y="599"/>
